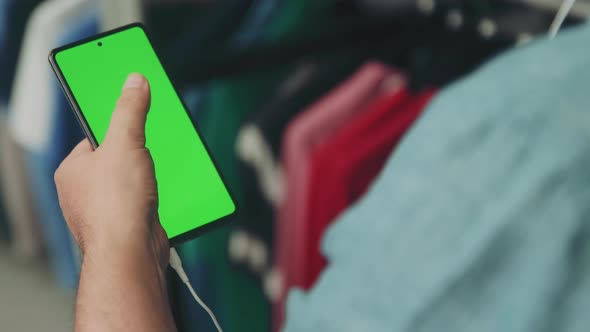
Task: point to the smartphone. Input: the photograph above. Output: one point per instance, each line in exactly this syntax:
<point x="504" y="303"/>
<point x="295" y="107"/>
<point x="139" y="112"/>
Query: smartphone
<point x="193" y="197"/>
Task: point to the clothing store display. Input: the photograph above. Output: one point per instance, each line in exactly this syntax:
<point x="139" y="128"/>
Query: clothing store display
<point x="311" y="128"/>
<point x="43" y="127"/>
<point x="4" y="227"/>
<point x="15" y="193"/>
<point x="258" y="145"/>
<point x="344" y="167"/>
<point x="295" y="17"/>
<point x="229" y="102"/>
<point x="390" y="197"/>
<point x="116" y="13"/>
<point x="220" y="114"/>
<point x="304" y="134"/>
<point x="33" y="77"/>
<point x="367" y="120"/>
<point x="255" y="22"/>
<point x="211" y="31"/>
<point x="310" y="131"/>
<point x="478" y="221"/>
<point x="13" y="17"/>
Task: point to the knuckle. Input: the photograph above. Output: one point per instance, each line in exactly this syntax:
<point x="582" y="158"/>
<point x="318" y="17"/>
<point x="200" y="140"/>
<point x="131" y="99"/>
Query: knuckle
<point x="58" y="175"/>
<point x="135" y="135"/>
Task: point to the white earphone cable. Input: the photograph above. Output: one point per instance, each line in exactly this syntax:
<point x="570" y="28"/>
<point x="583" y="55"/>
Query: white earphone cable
<point x="176" y="264"/>
<point x="562" y="13"/>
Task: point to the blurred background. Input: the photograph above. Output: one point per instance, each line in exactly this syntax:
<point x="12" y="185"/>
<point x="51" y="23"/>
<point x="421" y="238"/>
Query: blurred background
<point x="426" y="135"/>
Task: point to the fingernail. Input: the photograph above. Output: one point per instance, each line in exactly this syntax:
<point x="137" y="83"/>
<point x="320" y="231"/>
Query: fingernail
<point x="134" y="81"/>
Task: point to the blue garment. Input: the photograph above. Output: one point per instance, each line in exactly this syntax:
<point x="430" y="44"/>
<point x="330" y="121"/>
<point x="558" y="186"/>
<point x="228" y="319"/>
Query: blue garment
<point x="256" y="21"/>
<point x="194" y="97"/>
<point x="193" y="315"/>
<point x="257" y="18"/>
<point x="41" y="166"/>
<point x="479" y="221"/>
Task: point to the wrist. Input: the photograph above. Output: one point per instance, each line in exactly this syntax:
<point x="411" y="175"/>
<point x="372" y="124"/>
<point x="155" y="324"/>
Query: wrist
<point x="135" y="255"/>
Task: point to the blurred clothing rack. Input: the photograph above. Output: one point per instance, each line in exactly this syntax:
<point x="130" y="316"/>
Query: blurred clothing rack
<point x="116" y="13"/>
<point x="260" y="64"/>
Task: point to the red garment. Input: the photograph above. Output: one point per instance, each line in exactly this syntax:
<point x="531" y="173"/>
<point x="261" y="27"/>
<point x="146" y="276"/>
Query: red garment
<point x="343" y="168"/>
<point x="308" y="131"/>
<point x="303" y="135"/>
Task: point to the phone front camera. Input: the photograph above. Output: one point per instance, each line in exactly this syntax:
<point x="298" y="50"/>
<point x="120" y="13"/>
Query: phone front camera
<point x="99" y="43"/>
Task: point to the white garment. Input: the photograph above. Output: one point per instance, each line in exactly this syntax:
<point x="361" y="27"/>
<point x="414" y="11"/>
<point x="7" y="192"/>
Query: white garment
<point x="116" y="13"/>
<point x="31" y="112"/>
<point x="32" y="103"/>
<point x="16" y="197"/>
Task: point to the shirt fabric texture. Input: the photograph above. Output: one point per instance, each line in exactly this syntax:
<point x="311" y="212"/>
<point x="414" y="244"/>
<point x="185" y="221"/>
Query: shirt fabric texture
<point x="479" y="220"/>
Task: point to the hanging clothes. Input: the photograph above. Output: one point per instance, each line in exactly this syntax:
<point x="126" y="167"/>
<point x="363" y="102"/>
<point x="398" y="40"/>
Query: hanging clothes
<point x="13" y="17"/>
<point x="44" y="126"/>
<point x="238" y="301"/>
<point x="116" y="13"/>
<point x="479" y="219"/>
<point x="228" y="104"/>
<point x="255" y="23"/>
<point x="344" y="166"/>
<point x="303" y="135"/>
<point x="14" y="190"/>
<point x="4" y="226"/>
<point x="16" y="197"/>
<point x="365" y="121"/>
<point x="257" y="147"/>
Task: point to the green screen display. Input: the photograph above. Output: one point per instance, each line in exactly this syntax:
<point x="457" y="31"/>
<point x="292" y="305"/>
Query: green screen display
<point x="191" y="191"/>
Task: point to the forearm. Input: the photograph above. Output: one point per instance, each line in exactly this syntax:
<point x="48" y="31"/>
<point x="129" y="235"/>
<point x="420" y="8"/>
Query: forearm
<point x="122" y="291"/>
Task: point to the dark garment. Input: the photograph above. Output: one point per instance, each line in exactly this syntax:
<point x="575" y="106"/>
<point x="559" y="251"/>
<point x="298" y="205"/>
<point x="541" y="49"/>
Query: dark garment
<point x="207" y="30"/>
<point x="307" y="83"/>
<point x="13" y="18"/>
<point x="4" y="225"/>
<point x="255" y="23"/>
<point x="238" y="298"/>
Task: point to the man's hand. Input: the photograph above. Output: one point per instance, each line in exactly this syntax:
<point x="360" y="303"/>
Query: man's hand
<point x="109" y="199"/>
<point x="109" y="196"/>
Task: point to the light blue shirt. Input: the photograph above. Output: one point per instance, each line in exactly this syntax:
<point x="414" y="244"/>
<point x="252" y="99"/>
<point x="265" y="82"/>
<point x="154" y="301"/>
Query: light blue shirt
<point x="480" y="220"/>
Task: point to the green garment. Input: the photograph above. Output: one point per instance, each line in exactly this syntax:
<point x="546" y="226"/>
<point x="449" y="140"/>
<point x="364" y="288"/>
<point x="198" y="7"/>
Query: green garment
<point x="298" y="17"/>
<point x="242" y="305"/>
<point x="242" y="302"/>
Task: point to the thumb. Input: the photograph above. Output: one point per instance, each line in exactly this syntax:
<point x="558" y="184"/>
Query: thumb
<point x="127" y="125"/>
